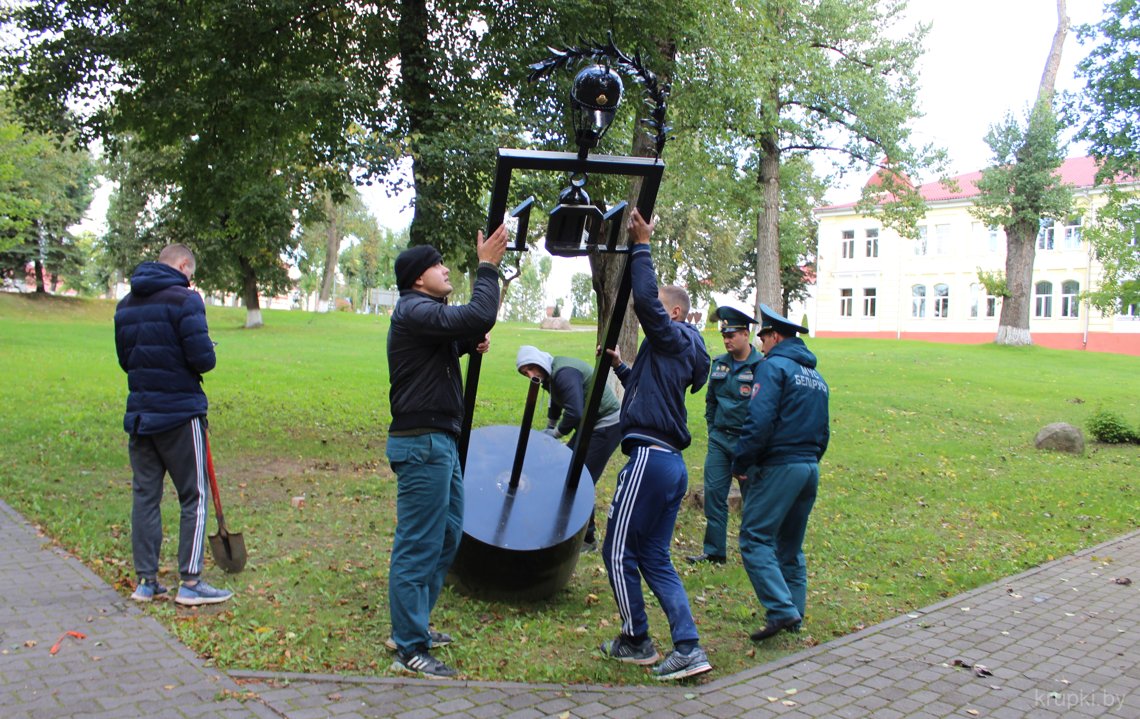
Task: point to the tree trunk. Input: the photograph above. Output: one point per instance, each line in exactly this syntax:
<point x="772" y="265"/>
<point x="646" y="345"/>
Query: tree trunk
<point x="1013" y="325"/>
<point x="606" y="269"/>
<point x="415" y="90"/>
<point x="38" y="263"/>
<point x="38" y="268"/>
<point x="1053" y="62"/>
<point x="249" y="295"/>
<point x="1021" y="236"/>
<point x="332" y="249"/>
<point x="768" y="288"/>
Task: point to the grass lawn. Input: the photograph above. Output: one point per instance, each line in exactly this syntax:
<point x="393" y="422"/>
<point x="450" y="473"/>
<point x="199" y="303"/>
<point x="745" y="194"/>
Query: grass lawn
<point x="931" y="487"/>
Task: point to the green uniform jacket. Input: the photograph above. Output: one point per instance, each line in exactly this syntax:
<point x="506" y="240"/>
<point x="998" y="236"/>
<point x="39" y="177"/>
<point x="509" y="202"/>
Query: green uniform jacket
<point x="726" y="402"/>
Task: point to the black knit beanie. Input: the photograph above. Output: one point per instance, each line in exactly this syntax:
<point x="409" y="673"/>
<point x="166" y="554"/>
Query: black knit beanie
<point x="412" y="262"/>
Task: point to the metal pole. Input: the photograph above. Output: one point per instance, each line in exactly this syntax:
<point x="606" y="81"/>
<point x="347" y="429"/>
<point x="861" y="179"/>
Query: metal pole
<point x="475" y="361"/>
<point x="645" y="203"/>
<point x="524" y="432"/>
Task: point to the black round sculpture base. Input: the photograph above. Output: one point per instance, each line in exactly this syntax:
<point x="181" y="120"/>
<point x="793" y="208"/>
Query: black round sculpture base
<point x="519" y="544"/>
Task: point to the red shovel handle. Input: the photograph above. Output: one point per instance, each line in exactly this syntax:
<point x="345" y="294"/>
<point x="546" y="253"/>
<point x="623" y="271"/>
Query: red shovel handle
<point x="214" y="486"/>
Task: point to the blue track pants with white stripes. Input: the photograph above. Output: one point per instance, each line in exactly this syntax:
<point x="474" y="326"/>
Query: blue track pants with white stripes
<point x="638" y="535"/>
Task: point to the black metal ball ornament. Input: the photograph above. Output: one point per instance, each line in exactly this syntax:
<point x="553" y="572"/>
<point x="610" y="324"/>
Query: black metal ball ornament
<point x="595" y="96"/>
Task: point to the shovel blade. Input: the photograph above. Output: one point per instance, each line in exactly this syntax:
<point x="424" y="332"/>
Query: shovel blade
<point x="228" y="551"/>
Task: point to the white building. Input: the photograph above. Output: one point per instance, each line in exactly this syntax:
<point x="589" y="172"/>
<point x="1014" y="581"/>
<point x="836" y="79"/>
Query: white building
<point x="870" y="282"/>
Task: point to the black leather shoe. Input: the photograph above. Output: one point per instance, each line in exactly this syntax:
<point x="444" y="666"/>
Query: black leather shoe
<point x="772" y="628"/>
<point x="705" y="558"/>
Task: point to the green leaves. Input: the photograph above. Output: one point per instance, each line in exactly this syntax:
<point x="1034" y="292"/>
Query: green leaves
<point x="1109" y="106"/>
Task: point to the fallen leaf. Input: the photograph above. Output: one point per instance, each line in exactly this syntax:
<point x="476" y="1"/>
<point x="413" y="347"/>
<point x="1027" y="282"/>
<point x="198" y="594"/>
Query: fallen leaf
<point x="564" y="715"/>
<point x="789" y="703"/>
<point x="980" y="670"/>
<point x="30" y="643"/>
<point x="972" y="712"/>
<point x="790" y="692"/>
<point x="1123" y="581"/>
<point x="772" y="699"/>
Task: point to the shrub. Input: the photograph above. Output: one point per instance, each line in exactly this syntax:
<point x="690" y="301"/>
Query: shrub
<point x="1108" y="427"/>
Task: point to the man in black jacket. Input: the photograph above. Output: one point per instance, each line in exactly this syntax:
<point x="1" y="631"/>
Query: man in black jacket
<point x="425" y="340"/>
<point x="164" y="346"/>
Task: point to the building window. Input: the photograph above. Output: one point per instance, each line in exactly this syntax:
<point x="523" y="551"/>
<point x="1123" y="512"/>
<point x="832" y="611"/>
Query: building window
<point x="848" y="244"/>
<point x="1070" y="306"/>
<point x="941" y="301"/>
<point x="1072" y="236"/>
<point x="1043" y="299"/>
<point x="1045" y="234"/>
<point x="986" y="239"/>
<point x="918" y="301"/>
<point x="1132" y="310"/>
<point x="1063" y="237"/>
<point x="872" y="243"/>
<point x="920" y="243"/>
<point x="941" y="240"/>
<point x="868" y="301"/>
<point x="846" y="300"/>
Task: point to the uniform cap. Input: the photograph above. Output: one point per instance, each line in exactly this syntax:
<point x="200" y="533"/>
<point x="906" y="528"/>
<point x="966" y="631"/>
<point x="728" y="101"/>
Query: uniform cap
<point x="770" y="319"/>
<point x="732" y="320"/>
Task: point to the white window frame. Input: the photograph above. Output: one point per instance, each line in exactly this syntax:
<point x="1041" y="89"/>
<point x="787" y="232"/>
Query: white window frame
<point x="872" y="246"/>
<point x="847" y="245"/>
<point x="1045" y="236"/>
<point x="870" y="301"/>
<point x="941" y="306"/>
<point x="1043" y="302"/>
<point x="918" y="301"/>
<point x="942" y="238"/>
<point x="846" y="302"/>
<point x="1070" y="299"/>
<point x="920" y="244"/>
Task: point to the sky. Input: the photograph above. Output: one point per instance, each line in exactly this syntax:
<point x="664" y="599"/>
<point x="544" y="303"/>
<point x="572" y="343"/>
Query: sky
<point x="984" y="58"/>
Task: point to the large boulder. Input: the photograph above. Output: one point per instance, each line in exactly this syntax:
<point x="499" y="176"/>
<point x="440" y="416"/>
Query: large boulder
<point x="1062" y="437"/>
<point x="555" y="323"/>
<point x="697" y="497"/>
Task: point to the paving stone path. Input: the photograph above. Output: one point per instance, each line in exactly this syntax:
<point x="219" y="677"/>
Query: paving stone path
<point x="1059" y="640"/>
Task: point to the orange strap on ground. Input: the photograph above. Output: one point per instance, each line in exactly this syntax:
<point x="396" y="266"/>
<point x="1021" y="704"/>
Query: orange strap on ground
<point x="55" y="647"/>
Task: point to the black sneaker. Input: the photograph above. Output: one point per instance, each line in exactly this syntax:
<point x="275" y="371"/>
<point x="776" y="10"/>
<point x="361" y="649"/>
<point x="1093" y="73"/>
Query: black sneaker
<point x="420" y="662"/>
<point x="710" y="558"/>
<point x="437" y="639"/>
<point x="625" y="649"/>
<point x="679" y="666"/>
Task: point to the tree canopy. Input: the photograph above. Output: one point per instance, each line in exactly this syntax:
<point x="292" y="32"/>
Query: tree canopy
<point x="1108" y="107"/>
<point x="782" y="79"/>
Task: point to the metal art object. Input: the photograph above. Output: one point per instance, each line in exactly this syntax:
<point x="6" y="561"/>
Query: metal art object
<point x="525" y="514"/>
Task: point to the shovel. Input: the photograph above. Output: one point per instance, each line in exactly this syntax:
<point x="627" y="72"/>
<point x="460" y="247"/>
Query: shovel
<point x="228" y="549"/>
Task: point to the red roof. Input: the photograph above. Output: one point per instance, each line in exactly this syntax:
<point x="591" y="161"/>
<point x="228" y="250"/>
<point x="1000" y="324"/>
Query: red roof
<point x="1075" y="171"/>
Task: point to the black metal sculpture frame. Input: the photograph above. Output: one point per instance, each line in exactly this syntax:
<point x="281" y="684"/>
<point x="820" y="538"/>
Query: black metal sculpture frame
<point x="516" y="558"/>
<point x="649" y="170"/>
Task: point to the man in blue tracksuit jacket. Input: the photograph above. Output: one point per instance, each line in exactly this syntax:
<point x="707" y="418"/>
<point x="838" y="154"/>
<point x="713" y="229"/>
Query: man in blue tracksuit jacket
<point x="164" y="346"/>
<point x="425" y="340"/>
<point x="777" y="464"/>
<point x="654" y="427"/>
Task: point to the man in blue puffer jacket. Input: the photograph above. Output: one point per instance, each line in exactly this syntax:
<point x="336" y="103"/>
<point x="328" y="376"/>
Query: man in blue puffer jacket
<point x="777" y="464"/>
<point x="164" y="346"/>
<point x="654" y="428"/>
